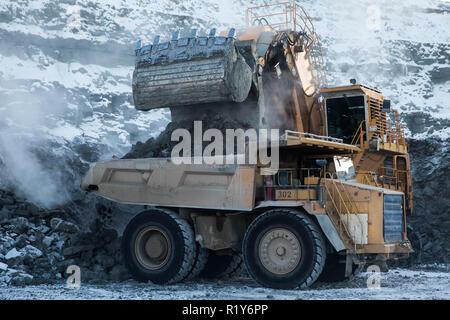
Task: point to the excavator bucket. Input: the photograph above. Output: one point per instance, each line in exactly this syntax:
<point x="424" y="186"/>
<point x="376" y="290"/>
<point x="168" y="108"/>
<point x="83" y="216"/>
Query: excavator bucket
<point x="188" y="71"/>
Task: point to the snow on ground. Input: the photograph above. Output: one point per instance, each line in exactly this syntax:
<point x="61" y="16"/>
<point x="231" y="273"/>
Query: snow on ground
<point x="425" y="283"/>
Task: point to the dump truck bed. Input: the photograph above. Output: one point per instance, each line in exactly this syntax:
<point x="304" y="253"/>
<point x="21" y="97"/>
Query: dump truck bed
<point x="158" y="181"/>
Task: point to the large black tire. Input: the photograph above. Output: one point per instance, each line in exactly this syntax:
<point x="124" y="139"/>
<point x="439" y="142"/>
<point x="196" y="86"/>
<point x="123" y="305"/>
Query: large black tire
<point x="159" y="247"/>
<point x="284" y="249"/>
<point x="222" y="266"/>
<point x="200" y="262"/>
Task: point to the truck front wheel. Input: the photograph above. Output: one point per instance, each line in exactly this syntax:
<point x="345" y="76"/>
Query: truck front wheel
<point x="159" y="247"/>
<point x="284" y="249"/>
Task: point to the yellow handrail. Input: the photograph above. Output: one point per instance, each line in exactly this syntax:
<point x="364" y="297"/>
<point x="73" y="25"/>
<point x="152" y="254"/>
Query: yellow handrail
<point x="358" y="134"/>
<point x="293" y="16"/>
<point x="341" y="226"/>
<point x="334" y="178"/>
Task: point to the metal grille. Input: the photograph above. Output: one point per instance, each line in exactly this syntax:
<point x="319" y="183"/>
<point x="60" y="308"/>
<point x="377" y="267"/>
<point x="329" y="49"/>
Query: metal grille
<point x="393" y="218"/>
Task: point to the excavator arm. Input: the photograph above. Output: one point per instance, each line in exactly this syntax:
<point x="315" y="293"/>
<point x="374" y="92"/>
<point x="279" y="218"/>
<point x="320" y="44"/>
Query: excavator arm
<point x="266" y="74"/>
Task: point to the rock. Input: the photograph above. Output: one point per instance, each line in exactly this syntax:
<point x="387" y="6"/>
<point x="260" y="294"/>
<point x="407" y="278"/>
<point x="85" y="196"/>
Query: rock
<point x="62" y="265"/>
<point x="47" y="241"/>
<point x="14" y="257"/>
<point x="3" y="266"/>
<point x="105" y="261"/>
<point x="54" y="258"/>
<point x="21" y="279"/>
<point x="12" y="254"/>
<point x="119" y="273"/>
<point x="77" y="249"/>
<point x="7" y="200"/>
<point x="21" y="241"/>
<point x="30" y="252"/>
<point x="33" y="210"/>
<point x="5" y="279"/>
<point x="58" y="224"/>
<point x="36" y="241"/>
<point x="19" y="225"/>
<point x="43" y="229"/>
<point x="59" y="244"/>
<point x="7" y="243"/>
<point x="11" y="272"/>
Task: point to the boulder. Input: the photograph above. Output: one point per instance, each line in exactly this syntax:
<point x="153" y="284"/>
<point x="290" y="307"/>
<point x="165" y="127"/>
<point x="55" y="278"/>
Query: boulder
<point x="47" y="241"/>
<point x="21" y="279"/>
<point x="3" y="266"/>
<point x="14" y="257"/>
<point x="19" y="225"/>
<point x="60" y="225"/>
<point x="21" y="241"/>
<point x="31" y="252"/>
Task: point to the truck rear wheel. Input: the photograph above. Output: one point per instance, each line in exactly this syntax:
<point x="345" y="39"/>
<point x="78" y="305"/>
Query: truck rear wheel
<point x="200" y="262"/>
<point x="222" y="266"/>
<point x="159" y="247"/>
<point x="284" y="249"/>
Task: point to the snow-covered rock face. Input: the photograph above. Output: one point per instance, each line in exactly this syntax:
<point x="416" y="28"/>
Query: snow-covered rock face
<point x="65" y="92"/>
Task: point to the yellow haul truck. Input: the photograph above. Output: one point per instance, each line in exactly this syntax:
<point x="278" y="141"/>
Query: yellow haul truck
<point x="288" y="226"/>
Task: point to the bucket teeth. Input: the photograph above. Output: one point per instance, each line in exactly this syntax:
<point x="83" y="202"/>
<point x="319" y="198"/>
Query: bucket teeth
<point x="190" y="70"/>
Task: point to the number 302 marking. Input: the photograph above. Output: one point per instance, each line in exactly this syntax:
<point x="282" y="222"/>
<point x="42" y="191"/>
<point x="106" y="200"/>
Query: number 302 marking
<point x="285" y="194"/>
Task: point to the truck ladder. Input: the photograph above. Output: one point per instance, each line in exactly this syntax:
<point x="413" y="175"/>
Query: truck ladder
<point x="341" y="209"/>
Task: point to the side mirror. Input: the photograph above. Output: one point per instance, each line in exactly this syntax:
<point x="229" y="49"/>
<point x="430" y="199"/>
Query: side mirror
<point x="386" y="106"/>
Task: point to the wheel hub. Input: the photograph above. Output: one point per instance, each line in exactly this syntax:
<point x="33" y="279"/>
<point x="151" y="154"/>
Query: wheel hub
<point x="279" y="251"/>
<point x="152" y="248"/>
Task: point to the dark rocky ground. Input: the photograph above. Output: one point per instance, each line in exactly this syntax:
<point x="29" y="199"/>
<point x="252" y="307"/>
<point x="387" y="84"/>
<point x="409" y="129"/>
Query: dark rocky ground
<point x="37" y="245"/>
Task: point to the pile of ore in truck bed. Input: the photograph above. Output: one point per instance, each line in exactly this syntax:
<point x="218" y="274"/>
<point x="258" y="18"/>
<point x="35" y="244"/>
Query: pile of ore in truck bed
<point x="161" y="146"/>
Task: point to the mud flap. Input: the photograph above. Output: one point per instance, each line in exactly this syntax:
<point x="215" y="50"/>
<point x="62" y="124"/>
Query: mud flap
<point x="350" y="261"/>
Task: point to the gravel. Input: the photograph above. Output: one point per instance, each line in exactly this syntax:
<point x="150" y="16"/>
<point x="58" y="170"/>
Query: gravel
<point x="426" y="282"/>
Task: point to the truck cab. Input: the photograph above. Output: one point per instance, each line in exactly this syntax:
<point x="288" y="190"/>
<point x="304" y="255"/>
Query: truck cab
<point x="361" y="116"/>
